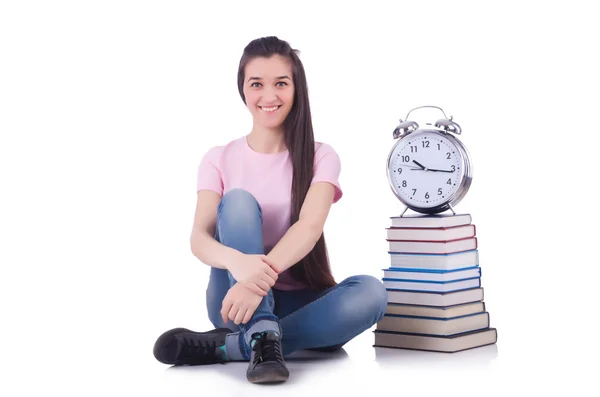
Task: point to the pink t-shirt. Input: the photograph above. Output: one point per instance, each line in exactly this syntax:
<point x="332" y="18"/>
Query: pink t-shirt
<point x="268" y="177"/>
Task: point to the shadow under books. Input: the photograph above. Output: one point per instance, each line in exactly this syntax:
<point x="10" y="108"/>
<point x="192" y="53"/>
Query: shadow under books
<point x="476" y="357"/>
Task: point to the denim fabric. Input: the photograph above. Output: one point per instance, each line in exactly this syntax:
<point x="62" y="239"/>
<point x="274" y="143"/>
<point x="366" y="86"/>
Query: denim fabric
<point x="307" y="319"/>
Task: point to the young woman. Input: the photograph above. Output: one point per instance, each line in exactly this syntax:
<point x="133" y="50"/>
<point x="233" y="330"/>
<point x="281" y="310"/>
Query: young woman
<point x="262" y="204"/>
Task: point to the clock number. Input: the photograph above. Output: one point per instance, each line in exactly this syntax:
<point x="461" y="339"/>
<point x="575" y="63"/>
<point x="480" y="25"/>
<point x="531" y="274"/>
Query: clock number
<point x="438" y="146"/>
<point x="414" y="191"/>
<point x="403" y="183"/>
<point x="413" y="149"/>
<point x="453" y="167"/>
<point x="439" y="191"/>
<point x="449" y="181"/>
<point x="426" y="144"/>
<point x="400" y="170"/>
<point x="448" y="155"/>
<point x="427" y="195"/>
<point x="406" y="159"/>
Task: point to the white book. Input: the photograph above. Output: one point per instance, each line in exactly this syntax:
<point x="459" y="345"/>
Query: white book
<point x="453" y="261"/>
<point x="438" y="312"/>
<point x="430" y="234"/>
<point x="431" y="221"/>
<point x="433" y="286"/>
<point x="441" y="275"/>
<point x="434" y="326"/>
<point x="435" y="298"/>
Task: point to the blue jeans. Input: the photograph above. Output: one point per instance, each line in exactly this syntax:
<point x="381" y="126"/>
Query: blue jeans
<point x="306" y="319"/>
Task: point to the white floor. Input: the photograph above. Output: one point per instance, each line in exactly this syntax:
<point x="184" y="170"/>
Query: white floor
<point x="119" y="362"/>
<point x="358" y="367"/>
<point x="489" y="370"/>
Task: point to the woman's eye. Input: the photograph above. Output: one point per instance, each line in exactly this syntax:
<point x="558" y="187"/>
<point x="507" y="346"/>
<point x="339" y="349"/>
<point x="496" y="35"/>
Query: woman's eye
<point x="255" y="84"/>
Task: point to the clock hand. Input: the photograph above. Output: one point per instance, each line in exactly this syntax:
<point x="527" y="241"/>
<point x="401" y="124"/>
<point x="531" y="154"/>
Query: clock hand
<point x="423" y="168"/>
<point x="420" y="165"/>
<point x="440" y="170"/>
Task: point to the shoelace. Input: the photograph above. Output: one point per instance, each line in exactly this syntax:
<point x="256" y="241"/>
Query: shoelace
<point x="196" y="351"/>
<point x="266" y="350"/>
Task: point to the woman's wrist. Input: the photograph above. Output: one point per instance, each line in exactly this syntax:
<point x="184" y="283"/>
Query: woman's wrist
<point x="233" y="258"/>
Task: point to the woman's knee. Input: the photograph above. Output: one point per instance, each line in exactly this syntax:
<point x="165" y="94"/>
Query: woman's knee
<point x="239" y="221"/>
<point x="239" y="202"/>
<point x="370" y="294"/>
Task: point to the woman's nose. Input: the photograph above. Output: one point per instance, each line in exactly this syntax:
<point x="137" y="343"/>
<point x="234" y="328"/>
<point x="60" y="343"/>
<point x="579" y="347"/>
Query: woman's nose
<point x="269" y="95"/>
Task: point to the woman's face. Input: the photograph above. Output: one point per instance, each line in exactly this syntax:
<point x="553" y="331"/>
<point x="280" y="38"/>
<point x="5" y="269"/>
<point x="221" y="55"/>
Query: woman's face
<point x="269" y="90"/>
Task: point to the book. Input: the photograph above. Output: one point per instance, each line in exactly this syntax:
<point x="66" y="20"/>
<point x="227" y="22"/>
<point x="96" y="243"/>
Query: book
<point x="433" y="286"/>
<point x="433" y="311"/>
<point x="431" y="275"/>
<point x="431" y="234"/>
<point x="431" y="221"/>
<point x="433" y="247"/>
<point x="435" y="298"/>
<point x="451" y="261"/>
<point x="436" y="343"/>
<point x="432" y="325"/>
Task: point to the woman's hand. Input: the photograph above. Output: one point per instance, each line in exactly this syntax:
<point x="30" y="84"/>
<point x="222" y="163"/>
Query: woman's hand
<point x="254" y="272"/>
<point x="239" y="304"/>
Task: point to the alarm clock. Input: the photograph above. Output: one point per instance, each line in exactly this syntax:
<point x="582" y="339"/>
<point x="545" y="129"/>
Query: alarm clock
<point x="429" y="169"/>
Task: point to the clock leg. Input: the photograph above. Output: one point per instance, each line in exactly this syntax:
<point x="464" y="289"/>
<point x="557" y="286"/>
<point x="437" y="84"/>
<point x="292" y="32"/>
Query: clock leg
<point x="452" y="209"/>
<point x="405" y="209"/>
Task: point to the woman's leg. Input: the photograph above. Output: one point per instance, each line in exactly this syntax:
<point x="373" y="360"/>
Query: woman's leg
<point x="335" y="316"/>
<point x="239" y="226"/>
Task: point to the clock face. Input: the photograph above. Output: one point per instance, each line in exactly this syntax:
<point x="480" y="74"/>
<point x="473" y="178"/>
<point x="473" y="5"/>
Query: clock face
<point x="425" y="169"/>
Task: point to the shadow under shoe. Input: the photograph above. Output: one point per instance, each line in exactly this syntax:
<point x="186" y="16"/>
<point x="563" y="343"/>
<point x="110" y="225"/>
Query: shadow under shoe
<point x="266" y="362"/>
<point x="181" y="346"/>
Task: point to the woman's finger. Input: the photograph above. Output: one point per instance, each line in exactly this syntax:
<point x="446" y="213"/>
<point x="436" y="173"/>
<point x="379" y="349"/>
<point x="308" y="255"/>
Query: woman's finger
<point x="248" y="316"/>
<point x="262" y="284"/>
<point x="270" y="270"/>
<point x="225" y="310"/>
<point x="256" y="289"/>
<point x="233" y="313"/>
<point x="240" y="316"/>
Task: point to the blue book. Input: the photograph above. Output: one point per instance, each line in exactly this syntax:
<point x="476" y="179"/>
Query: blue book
<point x="436" y="343"/>
<point x="431" y="286"/>
<point x="432" y="275"/>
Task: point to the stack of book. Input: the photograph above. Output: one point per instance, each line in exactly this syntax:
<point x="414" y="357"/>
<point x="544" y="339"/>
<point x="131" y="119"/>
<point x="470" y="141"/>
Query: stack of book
<point x="435" y="295"/>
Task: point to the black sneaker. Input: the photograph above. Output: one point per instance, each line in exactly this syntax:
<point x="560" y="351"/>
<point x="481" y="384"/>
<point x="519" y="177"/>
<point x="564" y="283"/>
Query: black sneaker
<point x="180" y="346"/>
<point x="266" y="362"/>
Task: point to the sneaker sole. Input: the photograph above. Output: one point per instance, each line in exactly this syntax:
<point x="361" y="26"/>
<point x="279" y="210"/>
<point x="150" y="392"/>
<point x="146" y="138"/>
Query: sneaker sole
<point x="269" y="377"/>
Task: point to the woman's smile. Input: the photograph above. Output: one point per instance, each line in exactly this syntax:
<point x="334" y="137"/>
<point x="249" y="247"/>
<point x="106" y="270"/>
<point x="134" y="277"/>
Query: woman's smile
<point x="272" y="109"/>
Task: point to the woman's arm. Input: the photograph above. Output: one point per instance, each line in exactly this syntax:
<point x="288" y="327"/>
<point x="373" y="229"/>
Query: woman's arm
<point x="202" y="241"/>
<point x="302" y="236"/>
<point x="250" y="270"/>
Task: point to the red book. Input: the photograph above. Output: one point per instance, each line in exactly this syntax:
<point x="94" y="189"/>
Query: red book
<point x="430" y="234"/>
<point x="432" y="247"/>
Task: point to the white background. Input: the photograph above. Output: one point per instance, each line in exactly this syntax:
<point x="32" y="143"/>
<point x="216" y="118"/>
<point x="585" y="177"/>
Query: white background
<point x="106" y="109"/>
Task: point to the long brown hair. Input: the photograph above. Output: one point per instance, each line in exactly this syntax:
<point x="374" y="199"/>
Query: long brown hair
<point x="314" y="268"/>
